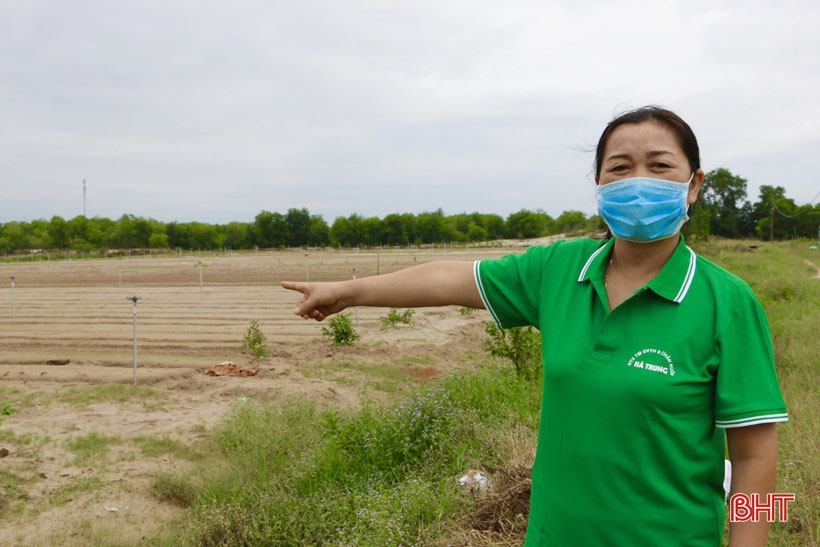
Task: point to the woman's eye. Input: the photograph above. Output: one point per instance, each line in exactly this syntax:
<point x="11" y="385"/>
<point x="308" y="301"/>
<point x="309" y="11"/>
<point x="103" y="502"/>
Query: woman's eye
<point x="618" y="168"/>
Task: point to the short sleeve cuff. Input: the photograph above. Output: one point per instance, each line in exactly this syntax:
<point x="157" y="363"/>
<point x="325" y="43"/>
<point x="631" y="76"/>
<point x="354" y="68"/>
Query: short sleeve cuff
<point x="480" y="286"/>
<point x="756" y="419"/>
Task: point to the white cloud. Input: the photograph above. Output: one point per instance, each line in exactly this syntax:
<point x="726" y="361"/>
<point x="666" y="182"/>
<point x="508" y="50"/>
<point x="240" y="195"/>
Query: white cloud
<point x="211" y="111"/>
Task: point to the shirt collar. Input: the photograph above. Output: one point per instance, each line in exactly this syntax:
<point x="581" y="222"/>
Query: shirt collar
<point x="672" y="282"/>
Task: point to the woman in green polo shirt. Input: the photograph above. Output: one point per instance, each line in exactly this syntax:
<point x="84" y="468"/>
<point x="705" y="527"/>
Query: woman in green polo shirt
<point x="654" y="358"/>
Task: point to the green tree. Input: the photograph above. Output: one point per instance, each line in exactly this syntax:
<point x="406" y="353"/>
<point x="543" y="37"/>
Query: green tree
<point x="319" y="233"/>
<point x="494" y="224"/>
<point x="179" y="235"/>
<point x="723" y="194"/>
<point x="100" y="232"/>
<point x="254" y="342"/>
<point x="773" y="212"/>
<point x="298" y="232"/>
<point x="58" y="232"/>
<point x="477" y="233"/>
<point x="270" y="230"/>
<point x="347" y="232"/>
<point x="76" y="233"/>
<point x="398" y="229"/>
<point x="570" y="221"/>
<point x="699" y="224"/>
<point x="372" y="231"/>
<point x="236" y="235"/>
<point x="430" y="227"/>
<point x="527" y="224"/>
<point x="807" y="221"/>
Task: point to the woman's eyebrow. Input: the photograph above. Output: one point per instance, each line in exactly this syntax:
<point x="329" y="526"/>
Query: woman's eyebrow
<point x="619" y="157"/>
<point x="650" y="154"/>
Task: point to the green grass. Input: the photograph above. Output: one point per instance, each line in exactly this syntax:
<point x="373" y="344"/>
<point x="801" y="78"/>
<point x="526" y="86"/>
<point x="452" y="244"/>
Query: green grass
<point x="11" y="491"/>
<point x="379" y="476"/>
<point x="174" y="489"/>
<point x="70" y="491"/>
<point x="391" y="377"/>
<point x="13" y="400"/>
<point x="154" y="447"/>
<point x="93" y="447"/>
<point x="149" y="398"/>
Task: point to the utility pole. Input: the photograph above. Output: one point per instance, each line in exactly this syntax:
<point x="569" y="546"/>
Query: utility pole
<point x="134" y="300"/>
<point x="84" y="198"/>
<point x="13" y="321"/>
<point x="771" y="223"/>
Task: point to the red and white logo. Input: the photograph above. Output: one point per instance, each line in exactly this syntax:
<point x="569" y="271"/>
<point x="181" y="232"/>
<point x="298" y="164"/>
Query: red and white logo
<point x="745" y="508"/>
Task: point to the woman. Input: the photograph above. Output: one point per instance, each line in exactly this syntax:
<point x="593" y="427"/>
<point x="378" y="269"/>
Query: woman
<point x="654" y="357"/>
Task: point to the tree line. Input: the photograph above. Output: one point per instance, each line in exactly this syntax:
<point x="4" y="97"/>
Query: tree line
<point x="721" y="210"/>
<point x="295" y="228"/>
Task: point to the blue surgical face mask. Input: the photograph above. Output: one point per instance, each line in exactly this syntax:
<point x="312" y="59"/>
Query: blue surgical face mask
<point x="643" y="209"/>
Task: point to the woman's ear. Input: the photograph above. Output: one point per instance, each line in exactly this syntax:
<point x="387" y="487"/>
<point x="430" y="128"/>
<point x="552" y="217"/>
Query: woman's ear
<point x="694" y="186"/>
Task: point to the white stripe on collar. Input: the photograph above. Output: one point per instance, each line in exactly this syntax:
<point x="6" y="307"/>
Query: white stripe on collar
<point x="690" y="274"/>
<point x="687" y="280"/>
<point x="589" y="262"/>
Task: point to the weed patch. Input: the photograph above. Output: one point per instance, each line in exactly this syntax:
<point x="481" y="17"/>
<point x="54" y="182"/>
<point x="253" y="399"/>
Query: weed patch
<point x="164" y="446"/>
<point x="149" y="398"/>
<point x="379" y="476"/>
<point x="91" y="447"/>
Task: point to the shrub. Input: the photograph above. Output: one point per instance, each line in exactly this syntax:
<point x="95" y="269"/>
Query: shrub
<point x="255" y="342"/>
<point x="522" y="346"/>
<point x="395" y="318"/>
<point x="341" y="330"/>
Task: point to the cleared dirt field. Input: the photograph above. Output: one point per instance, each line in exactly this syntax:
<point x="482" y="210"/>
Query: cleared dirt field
<point x="72" y="332"/>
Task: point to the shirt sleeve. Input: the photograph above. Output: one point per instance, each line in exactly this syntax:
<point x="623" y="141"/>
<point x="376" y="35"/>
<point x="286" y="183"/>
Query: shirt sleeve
<point x="748" y="391"/>
<point x="510" y="286"/>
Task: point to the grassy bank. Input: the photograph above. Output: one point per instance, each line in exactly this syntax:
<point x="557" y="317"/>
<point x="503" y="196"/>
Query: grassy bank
<point x="292" y="475"/>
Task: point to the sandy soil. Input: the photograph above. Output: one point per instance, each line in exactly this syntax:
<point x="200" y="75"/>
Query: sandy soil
<point x="76" y="312"/>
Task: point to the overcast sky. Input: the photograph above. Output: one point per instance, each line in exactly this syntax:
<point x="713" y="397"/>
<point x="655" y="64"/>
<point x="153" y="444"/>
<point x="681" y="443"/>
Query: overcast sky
<point x="213" y="111"/>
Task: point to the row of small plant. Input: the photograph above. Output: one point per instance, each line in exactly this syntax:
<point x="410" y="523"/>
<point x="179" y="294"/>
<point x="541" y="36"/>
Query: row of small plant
<point x="340" y="330"/>
<point x="522" y="346"/>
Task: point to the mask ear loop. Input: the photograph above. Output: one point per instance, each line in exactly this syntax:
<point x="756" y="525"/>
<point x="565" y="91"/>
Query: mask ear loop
<point x="691" y="178"/>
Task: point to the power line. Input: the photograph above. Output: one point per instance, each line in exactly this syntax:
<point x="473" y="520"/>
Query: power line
<point x="776" y="208"/>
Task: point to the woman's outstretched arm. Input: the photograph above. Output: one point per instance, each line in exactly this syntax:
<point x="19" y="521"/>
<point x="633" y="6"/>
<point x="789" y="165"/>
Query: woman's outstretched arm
<point x="440" y="283"/>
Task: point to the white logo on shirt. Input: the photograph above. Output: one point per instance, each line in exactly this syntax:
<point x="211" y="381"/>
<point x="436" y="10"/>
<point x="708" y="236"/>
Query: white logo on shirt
<point x="653" y="360"/>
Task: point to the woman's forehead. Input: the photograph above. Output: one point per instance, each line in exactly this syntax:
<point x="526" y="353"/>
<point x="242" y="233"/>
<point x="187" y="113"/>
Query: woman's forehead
<point x="642" y="138"/>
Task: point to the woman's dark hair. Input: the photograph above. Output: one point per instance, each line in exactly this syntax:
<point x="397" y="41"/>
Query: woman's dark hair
<point x="684" y="134"/>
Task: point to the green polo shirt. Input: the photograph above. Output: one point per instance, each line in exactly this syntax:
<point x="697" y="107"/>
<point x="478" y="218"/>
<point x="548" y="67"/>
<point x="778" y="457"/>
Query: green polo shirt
<point x="631" y="445"/>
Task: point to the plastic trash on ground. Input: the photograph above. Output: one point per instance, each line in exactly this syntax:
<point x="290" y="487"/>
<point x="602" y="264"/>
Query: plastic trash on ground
<point x="475" y="481"/>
